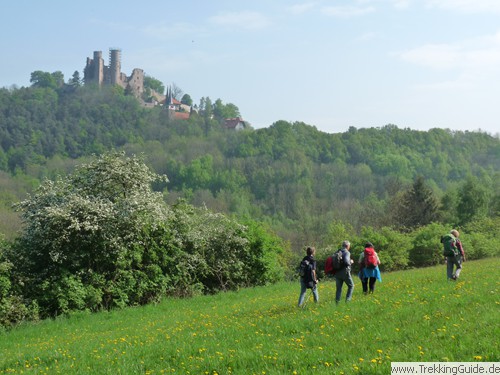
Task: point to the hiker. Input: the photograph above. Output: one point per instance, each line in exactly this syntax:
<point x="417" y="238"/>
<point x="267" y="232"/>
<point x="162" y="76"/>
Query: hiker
<point x="369" y="272"/>
<point x="343" y="275"/>
<point x="454" y="253"/>
<point x="309" y="280"/>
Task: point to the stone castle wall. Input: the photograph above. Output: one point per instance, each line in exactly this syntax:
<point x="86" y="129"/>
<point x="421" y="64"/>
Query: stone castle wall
<point x="96" y="72"/>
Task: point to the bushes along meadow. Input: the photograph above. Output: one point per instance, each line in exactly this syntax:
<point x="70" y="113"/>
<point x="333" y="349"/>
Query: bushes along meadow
<point x="101" y="238"/>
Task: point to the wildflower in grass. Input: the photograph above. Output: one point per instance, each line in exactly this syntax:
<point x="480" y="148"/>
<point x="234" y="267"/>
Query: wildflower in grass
<point x="478" y="357"/>
<point x="361" y="359"/>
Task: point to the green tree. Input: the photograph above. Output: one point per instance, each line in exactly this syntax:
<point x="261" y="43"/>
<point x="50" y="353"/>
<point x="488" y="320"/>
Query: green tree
<point x="78" y="249"/>
<point x="186" y="99"/>
<point x="46" y="79"/>
<point x="473" y="199"/>
<point x="418" y="206"/>
<point x="75" y="80"/>
<point x="154" y="84"/>
<point x="223" y="111"/>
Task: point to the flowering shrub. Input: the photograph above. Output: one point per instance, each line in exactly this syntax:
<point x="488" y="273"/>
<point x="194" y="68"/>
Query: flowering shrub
<point x="102" y="238"/>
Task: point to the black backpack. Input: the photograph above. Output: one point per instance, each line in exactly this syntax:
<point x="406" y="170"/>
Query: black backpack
<point x="306" y="272"/>
<point x="338" y="260"/>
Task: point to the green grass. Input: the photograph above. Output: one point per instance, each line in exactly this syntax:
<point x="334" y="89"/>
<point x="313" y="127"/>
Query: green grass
<point x="414" y="315"/>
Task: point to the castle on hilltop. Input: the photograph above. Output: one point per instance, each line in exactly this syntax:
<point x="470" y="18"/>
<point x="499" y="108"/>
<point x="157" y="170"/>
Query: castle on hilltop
<point x="95" y="72"/>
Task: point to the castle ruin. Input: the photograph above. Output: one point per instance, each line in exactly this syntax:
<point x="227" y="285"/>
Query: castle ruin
<point x="95" y="72"/>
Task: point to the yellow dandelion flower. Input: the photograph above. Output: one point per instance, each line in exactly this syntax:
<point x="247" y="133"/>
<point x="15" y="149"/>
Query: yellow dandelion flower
<point x="478" y="357"/>
<point x="380" y="351"/>
<point x="361" y="359"/>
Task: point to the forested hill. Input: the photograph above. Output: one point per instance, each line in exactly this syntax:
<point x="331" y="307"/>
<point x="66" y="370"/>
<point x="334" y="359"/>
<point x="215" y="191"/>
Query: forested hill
<point x="298" y="179"/>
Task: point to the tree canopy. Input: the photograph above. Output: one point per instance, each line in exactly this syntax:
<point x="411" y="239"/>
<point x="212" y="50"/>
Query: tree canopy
<point x="290" y="175"/>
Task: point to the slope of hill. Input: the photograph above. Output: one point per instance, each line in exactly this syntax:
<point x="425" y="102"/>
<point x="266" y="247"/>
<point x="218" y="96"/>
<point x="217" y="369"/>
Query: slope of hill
<point x="414" y="315"/>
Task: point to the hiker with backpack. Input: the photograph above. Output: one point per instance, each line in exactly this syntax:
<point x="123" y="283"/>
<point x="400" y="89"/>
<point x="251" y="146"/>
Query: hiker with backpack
<point x="343" y="274"/>
<point x="369" y="272"/>
<point x="454" y="253"/>
<point x="308" y="278"/>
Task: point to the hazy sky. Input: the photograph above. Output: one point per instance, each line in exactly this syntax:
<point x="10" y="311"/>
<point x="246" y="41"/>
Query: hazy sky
<point x="333" y="64"/>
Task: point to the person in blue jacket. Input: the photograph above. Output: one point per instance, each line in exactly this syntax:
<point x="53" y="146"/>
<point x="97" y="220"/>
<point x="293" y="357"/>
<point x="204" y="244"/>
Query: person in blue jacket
<point x="369" y="273"/>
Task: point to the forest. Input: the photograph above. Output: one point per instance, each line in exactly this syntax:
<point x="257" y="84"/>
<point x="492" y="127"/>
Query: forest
<point x="290" y="175"/>
<point x="292" y="184"/>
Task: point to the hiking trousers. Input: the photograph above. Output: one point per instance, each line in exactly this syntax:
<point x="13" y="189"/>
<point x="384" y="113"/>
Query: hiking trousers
<point x="451" y="263"/>
<point x="303" y="291"/>
<point x="368" y="282"/>
<point x="341" y="277"/>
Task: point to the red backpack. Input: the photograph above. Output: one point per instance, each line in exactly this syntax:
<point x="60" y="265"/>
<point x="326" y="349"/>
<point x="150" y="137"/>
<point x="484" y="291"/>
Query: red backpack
<point x="334" y="262"/>
<point x="370" y="258"/>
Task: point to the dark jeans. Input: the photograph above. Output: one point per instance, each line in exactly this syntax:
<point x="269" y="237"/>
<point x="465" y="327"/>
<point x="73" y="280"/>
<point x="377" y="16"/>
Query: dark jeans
<point x="368" y="282"/>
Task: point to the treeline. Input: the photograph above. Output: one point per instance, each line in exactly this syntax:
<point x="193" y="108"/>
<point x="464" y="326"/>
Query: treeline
<point x="291" y="176"/>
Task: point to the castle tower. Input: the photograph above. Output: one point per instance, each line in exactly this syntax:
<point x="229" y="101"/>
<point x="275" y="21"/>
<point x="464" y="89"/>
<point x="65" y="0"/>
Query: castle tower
<point x="115" y="66"/>
<point x="94" y="70"/>
<point x="98" y="68"/>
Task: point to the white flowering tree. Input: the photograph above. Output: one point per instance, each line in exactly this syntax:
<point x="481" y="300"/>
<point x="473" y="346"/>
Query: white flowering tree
<point x="79" y="246"/>
<point x="102" y="238"/>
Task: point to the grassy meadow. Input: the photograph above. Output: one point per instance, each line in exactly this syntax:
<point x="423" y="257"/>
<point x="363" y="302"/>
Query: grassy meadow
<point x="414" y="315"/>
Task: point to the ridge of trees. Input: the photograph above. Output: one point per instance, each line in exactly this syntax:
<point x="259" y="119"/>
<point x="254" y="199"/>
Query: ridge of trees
<point x="290" y="175"/>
